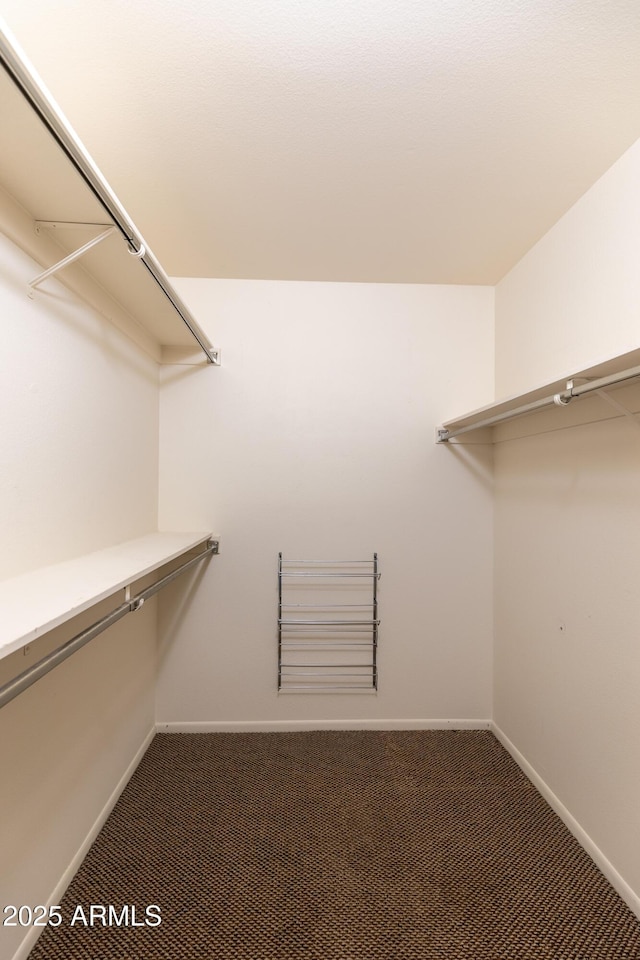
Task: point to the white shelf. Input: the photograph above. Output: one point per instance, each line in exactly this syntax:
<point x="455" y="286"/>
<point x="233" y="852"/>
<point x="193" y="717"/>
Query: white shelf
<point x="53" y="193"/>
<point x="34" y="603"/>
<point x="508" y="406"/>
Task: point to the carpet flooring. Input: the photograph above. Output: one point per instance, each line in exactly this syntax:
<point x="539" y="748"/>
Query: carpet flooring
<point x="427" y="845"/>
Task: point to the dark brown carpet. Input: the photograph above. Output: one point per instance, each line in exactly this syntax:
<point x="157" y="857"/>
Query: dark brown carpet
<point x="340" y="846"/>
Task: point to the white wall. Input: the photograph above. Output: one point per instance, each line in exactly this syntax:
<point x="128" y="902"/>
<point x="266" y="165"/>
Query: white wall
<point x="572" y="301"/>
<point x="79" y="442"/>
<point x="79" y="425"/>
<point x="316" y="437"/>
<point x="67" y="744"/>
<point x="567" y="609"/>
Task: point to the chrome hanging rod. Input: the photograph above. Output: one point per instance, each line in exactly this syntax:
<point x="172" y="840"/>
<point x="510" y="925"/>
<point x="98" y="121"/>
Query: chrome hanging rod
<point x="20" y="72"/>
<point x="332" y="576"/>
<point x="332" y="676"/>
<point x="351" y="666"/>
<point x="28" y="677"/>
<point x="561" y="399"/>
<point x="328" y="606"/>
<point x="309" y="643"/>
<point x="325" y="563"/>
<point x="325" y="687"/>
<point x="331" y="623"/>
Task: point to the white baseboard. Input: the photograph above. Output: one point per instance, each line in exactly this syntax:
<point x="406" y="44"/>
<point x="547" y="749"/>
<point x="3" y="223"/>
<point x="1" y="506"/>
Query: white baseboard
<point x="290" y="726"/>
<point x="606" y="867"/>
<point x="29" y="941"/>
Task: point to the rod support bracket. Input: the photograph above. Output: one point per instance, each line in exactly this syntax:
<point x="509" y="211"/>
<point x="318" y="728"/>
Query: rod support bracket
<point x="562" y="399"/>
<point x="139" y="253"/>
<point x="214" y="354"/>
<point x="442" y="435"/>
<point x="214" y="546"/>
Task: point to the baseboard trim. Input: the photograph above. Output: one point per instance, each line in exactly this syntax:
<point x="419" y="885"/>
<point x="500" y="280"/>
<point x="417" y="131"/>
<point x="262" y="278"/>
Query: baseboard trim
<point x="29" y="941"/>
<point x="606" y="867"/>
<point x="291" y="726"/>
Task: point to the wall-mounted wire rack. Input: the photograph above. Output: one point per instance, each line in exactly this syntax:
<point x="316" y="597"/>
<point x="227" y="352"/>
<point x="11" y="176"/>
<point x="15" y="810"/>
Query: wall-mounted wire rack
<point x="328" y="625"/>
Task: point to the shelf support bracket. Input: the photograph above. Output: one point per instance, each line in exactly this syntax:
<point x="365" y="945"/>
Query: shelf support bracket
<point x="619" y="407"/>
<point x="31" y="286"/>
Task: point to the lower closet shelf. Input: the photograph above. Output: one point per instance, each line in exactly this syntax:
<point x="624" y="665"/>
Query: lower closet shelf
<point x="39" y="601"/>
<point x="69" y="588"/>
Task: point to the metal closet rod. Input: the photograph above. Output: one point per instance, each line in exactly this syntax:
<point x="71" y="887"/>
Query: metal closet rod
<point x="324" y="687"/>
<point x="40" y="669"/>
<point x="558" y="399"/>
<point x="326" y="563"/>
<point x="331" y="576"/>
<point x="328" y="623"/>
<point x="41" y="102"/>
<point x="329" y="606"/>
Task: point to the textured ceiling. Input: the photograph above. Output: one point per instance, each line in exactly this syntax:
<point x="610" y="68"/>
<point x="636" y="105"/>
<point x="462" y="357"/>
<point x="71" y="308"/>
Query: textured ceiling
<point x="376" y="140"/>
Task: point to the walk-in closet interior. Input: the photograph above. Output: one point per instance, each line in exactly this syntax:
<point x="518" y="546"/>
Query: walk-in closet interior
<point x="320" y="460"/>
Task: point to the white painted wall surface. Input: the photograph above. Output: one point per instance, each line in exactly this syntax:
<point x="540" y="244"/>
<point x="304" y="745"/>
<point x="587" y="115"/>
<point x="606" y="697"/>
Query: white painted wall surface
<point x="567" y="527"/>
<point x="66" y="744"/>
<point x="572" y="301"/>
<point x="567" y="658"/>
<point x="316" y="437"/>
<point x="78" y="452"/>
<point x="78" y="422"/>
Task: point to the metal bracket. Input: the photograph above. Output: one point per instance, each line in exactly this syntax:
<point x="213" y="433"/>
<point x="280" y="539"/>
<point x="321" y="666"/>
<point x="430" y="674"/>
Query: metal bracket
<point x="215" y="546"/>
<point x="442" y="435"/>
<point x="562" y="399"/>
<point x="632" y="417"/>
<point x="55" y="225"/>
<point x="67" y="260"/>
<point x="214" y="353"/>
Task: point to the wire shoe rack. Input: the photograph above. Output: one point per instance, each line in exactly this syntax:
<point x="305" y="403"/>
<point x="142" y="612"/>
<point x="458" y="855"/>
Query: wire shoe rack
<point x="328" y="625"/>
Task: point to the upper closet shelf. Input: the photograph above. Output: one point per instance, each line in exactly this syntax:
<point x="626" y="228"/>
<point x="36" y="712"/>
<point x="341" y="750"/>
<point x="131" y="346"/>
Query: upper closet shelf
<point x="36" y="602"/>
<point x="47" y="170"/>
<point x="559" y="394"/>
